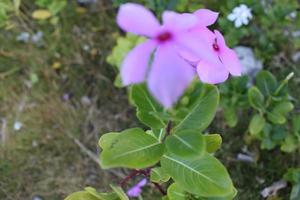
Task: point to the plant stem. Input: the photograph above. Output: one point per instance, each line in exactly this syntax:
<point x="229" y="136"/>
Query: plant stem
<point x="162" y="191"/>
<point x="130" y="176"/>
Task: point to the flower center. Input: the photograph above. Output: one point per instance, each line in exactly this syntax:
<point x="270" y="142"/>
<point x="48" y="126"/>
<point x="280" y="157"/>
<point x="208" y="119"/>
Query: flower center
<point x="216" y="46"/>
<point x="164" y="36"/>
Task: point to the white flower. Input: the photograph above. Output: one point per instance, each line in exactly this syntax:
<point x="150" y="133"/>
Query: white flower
<point x="23" y="37"/>
<point x="37" y="37"/>
<point x="240" y="15"/>
<point x="17" y="125"/>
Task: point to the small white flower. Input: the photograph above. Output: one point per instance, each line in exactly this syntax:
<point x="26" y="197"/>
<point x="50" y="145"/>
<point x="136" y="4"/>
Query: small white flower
<point x="23" y="37"/>
<point x="293" y="15"/>
<point x="17" y="125"/>
<point x="240" y="15"/>
<point x="37" y="37"/>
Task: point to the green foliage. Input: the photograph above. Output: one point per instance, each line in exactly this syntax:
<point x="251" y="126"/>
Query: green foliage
<point x="203" y="111"/>
<point x="148" y="109"/>
<point x="257" y="124"/>
<point x="54" y="6"/>
<point x="186" y="158"/>
<point x="120" y="193"/>
<point x="203" y="176"/>
<point x="81" y="196"/>
<point x="293" y="176"/>
<point x="234" y="98"/>
<point x="213" y="142"/>
<point x="132" y="148"/>
<point x="6" y="8"/>
<point x="175" y="192"/>
<point x="90" y="193"/>
<point x="271" y="100"/>
<point x="186" y="143"/>
<point x="159" y="175"/>
<point x="256" y="98"/>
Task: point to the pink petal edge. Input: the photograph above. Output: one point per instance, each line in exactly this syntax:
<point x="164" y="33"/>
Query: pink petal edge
<point x="135" y="65"/>
<point x="137" y="19"/>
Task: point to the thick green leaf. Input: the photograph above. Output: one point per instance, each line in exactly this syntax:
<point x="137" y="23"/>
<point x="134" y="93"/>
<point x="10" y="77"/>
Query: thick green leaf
<point x="293" y="175"/>
<point x="226" y="197"/>
<point x="101" y="196"/>
<point x="266" y="82"/>
<point x="256" y="98"/>
<point x="277" y="115"/>
<point x="203" y="176"/>
<point x="186" y="143"/>
<point x="257" y="124"/>
<point x="82" y="195"/>
<point x="213" y="142"/>
<point x="290" y="144"/>
<point x="276" y="118"/>
<point x="175" y="192"/>
<point x="203" y="111"/>
<point x="119" y="191"/>
<point x="159" y="175"/>
<point x="230" y="116"/>
<point x="296" y="126"/>
<point x="147" y="108"/>
<point x="132" y="148"/>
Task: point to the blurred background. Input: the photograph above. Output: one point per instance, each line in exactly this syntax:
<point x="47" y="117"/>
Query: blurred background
<point x="58" y="93"/>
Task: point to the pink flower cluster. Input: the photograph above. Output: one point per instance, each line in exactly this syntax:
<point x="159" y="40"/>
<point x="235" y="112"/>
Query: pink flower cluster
<point x="174" y="51"/>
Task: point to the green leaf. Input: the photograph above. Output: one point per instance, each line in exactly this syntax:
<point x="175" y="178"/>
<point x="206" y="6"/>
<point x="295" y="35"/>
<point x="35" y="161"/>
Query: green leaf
<point x="159" y="175"/>
<point x="257" y="124"/>
<point x="132" y="148"/>
<point x="277" y="115"/>
<point x="256" y="98"/>
<point x="82" y="195"/>
<point x="175" y="192"/>
<point x="203" y="176"/>
<point x="230" y="116"/>
<point x="101" y="196"/>
<point x="290" y="144"/>
<point x="296" y="126"/>
<point x="203" y="112"/>
<point x="293" y="175"/>
<point x="213" y="142"/>
<point x="147" y="108"/>
<point x="266" y="82"/>
<point x="56" y="6"/>
<point x="226" y="197"/>
<point x="119" y="191"/>
<point x="186" y="143"/>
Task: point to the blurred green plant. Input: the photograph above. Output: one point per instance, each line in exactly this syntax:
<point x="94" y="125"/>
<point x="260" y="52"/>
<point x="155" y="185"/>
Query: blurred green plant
<point x="272" y="103"/>
<point x="234" y="98"/>
<point x="7" y="8"/>
<point x="293" y="176"/>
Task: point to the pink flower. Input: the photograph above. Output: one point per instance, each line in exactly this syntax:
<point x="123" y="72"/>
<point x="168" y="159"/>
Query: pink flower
<point x="168" y="74"/>
<point x="215" y="63"/>
<point x="136" y="190"/>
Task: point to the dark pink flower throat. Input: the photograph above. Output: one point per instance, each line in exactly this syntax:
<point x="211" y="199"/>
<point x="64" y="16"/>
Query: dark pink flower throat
<point x="164" y="37"/>
<point x="216" y="46"/>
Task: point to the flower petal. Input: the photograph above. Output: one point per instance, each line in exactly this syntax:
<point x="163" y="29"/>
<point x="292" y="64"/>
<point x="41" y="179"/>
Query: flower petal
<point x="178" y="22"/>
<point x="206" y="17"/>
<point x="220" y="40"/>
<point x="169" y="76"/>
<point x="231" y="62"/>
<point x="134" y="191"/>
<point x="212" y="73"/>
<point x="196" y="45"/>
<point x="135" y="65"/>
<point x="136" y="19"/>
